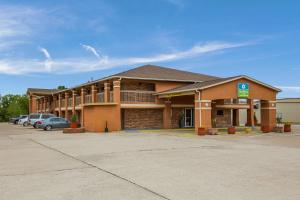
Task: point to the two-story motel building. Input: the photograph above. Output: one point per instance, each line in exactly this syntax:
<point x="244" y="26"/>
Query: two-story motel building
<point x="150" y="97"/>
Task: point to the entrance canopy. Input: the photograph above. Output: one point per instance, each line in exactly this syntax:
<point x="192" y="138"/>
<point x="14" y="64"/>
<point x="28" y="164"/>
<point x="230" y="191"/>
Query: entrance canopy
<point x="233" y="89"/>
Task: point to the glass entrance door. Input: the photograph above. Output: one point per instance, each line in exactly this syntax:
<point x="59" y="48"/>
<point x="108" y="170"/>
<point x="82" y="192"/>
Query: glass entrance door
<point x="188" y="117"/>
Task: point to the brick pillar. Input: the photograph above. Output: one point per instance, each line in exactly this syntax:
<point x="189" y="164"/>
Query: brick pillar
<point x="73" y="102"/>
<point x="202" y="113"/>
<point x="106" y="92"/>
<point x="82" y="106"/>
<point x="268" y="115"/>
<point x="59" y="105"/>
<point x="250" y="113"/>
<point x="94" y="93"/>
<point x="117" y="92"/>
<point x="117" y="100"/>
<point x="167" y="115"/>
<point x="45" y="104"/>
<point x="66" y="105"/>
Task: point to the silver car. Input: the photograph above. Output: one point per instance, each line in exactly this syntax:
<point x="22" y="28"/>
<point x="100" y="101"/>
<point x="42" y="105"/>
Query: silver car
<point x="53" y="123"/>
<point x="37" y="117"/>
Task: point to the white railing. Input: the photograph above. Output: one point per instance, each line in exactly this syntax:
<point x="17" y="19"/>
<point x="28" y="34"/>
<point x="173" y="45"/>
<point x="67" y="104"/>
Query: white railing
<point x="111" y="96"/>
<point x="70" y="102"/>
<point x="77" y="100"/>
<point x="100" y="97"/>
<point x="88" y="99"/>
<point x="137" y="96"/>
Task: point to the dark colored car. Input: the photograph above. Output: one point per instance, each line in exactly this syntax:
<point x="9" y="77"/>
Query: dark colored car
<point x="15" y="120"/>
<point x="53" y="123"/>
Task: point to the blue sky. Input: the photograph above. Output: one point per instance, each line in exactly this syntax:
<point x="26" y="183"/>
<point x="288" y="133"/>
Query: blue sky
<point x="50" y="43"/>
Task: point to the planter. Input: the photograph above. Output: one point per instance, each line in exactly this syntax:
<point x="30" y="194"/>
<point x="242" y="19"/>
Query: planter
<point x="278" y="129"/>
<point x="212" y="131"/>
<point x="201" y="131"/>
<point x="73" y="130"/>
<point x="73" y="125"/>
<point x="231" y="130"/>
<point x="248" y="130"/>
<point x="265" y="129"/>
<point x="287" y="128"/>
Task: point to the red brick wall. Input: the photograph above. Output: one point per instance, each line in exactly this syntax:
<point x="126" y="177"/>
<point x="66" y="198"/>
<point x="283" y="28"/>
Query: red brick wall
<point x="143" y="118"/>
<point x="176" y="115"/>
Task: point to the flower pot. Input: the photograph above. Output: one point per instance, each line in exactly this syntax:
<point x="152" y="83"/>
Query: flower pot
<point x="278" y="129"/>
<point x="231" y="130"/>
<point x="74" y="125"/>
<point x="201" y="131"/>
<point x="265" y="129"/>
<point x="287" y="128"/>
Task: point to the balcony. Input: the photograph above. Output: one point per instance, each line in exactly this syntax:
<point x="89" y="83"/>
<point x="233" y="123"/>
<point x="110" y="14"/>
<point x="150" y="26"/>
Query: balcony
<point x="77" y="100"/>
<point x="100" y="97"/>
<point x="134" y="96"/>
<point x="63" y="103"/>
<point x="70" y="102"/>
<point x="88" y="98"/>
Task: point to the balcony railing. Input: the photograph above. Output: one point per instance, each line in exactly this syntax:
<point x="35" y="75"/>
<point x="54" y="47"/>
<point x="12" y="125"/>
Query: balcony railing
<point x="88" y="98"/>
<point x="63" y="103"/>
<point x="77" y="100"/>
<point x="137" y="96"/>
<point x="100" y="97"/>
<point x="70" y="102"/>
<point x="111" y="96"/>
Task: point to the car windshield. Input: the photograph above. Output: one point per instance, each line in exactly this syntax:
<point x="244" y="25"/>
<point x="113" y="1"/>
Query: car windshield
<point x="34" y="116"/>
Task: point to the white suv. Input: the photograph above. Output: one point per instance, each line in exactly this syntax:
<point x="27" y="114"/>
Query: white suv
<point x="35" y="117"/>
<point x="23" y="121"/>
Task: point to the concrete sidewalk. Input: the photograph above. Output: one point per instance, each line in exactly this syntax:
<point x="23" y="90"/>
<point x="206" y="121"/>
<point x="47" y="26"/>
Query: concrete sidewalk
<point x="50" y="165"/>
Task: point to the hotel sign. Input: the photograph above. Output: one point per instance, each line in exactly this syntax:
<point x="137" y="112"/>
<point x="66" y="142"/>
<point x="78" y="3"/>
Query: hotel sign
<point x="243" y="90"/>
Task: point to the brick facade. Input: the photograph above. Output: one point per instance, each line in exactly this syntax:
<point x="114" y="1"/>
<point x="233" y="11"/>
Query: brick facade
<point x="142" y="118"/>
<point x="177" y="114"/>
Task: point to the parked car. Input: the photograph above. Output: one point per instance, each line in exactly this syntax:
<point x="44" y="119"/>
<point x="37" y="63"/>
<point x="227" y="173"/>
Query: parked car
<point x="53" y="123"/>
<point x="15" y="120"/>
<point x="35" y="117"/>
<point x="23" y="121"/>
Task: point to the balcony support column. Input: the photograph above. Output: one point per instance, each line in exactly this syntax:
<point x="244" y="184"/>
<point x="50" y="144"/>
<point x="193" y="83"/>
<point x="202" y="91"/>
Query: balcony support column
<point x="94" y="93"/>
<point x="117" y="92"/>
<point x="59" y="105"/>
<point x="82" y="107"/>
<point x="66" y="105"/>
<point x="106" y="92"/>
<point x="73" y="102"/>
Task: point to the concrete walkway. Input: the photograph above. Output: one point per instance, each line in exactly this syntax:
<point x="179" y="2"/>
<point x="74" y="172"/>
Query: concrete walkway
<point x="50" y="165"/>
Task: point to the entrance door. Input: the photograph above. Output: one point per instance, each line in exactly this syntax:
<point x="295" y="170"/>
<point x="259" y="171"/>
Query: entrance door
<point x="188" y="117"/>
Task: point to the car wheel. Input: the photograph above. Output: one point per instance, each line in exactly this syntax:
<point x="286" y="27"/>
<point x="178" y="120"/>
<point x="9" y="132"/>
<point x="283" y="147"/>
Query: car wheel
<point x="25" y="124"/>
<point x="34" y="125"/>
<point x="48" y="128"/>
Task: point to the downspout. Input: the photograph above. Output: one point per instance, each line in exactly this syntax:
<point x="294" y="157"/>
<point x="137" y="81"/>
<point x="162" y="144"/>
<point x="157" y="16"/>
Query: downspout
<point x="199" y="102"/>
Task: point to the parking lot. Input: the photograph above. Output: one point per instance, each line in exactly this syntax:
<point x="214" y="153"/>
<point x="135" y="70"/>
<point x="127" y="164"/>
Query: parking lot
<point x="147" y="165"/>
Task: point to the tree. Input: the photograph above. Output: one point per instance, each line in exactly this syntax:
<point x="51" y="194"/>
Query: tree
<point x="13" y="105"/>
<point x="61" y="87"/>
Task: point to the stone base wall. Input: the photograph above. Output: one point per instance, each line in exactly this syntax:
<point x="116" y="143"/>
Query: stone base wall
<point x="143" y="118"/>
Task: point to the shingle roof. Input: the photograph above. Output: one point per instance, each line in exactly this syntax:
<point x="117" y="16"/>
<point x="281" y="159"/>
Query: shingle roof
<point x="41" y="91"/>
<point x="164" y="73"/>
<point x="205" y="84"/>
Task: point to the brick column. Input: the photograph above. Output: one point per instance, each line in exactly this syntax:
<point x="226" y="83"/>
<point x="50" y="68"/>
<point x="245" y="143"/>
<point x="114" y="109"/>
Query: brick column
<point x="202" y="113"/>
<point x="82" y="106"/>
<point x="94" y="93"/>
<point x="45" y="104"/>
<point x="250" y="113"/>
<point x="73" y="102"/>
<point x="106" y="92"/>
<point x="268" y="115"/>
<point x="66" y="105"/>
<point x="117" y="92"/>
<point x="59" y="105"/>
<point x="167" y="115"/>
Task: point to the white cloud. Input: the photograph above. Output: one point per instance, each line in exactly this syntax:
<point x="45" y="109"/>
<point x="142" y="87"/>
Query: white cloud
<point x="290" y="88"/>
<point x="48" y="62"/>
<point x="91" y="49"/>
<point x="83" y="64"/>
